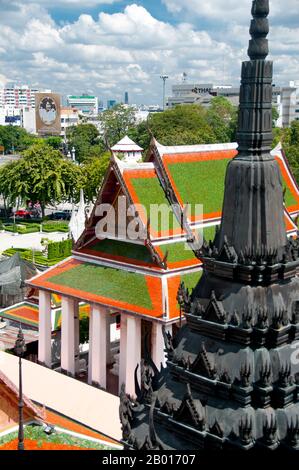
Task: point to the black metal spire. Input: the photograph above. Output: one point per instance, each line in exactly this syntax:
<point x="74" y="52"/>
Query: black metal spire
<point x="259" y="29"/>
<point x="253" y="212"/>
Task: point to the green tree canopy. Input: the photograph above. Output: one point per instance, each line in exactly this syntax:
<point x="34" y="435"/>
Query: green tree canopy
<point x="115" y="123"/>
<point x="41" y="175"/>
<point x="94" y="171"/>
<point x="83" y="138"/>
<point x="189" y="125"/>
<point x="289" y="138"/>
<point x="222" y="116"/>
<point x="15" y="138"/>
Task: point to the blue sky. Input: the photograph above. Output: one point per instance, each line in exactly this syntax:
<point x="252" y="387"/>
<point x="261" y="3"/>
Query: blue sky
<point x="107" y="47"/>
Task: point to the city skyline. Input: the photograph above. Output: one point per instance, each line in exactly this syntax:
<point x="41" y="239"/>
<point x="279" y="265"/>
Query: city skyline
<point x="107" y="47"/>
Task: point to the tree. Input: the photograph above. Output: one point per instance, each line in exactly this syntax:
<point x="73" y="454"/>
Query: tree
<point x="222" y="116"/>
<point x="83" y="138"/>
<point x="94" y="171"/>
<point x="289" y="138"/>
<point x="182" y="125"/>
<point x="275" y="116"/>
<point x="42" y="175"/>
<point x="54" y="141"/>
<point x="15" y="138"/>
<point x="115" y="123"/>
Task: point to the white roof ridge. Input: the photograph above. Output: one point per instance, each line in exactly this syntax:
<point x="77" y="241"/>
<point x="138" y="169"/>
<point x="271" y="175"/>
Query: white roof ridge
<point x="126" y="144"/>
<point x="163" y="149"/>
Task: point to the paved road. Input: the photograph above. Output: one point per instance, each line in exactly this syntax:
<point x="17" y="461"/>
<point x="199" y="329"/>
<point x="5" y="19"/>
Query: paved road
<point x="29" y="240"/>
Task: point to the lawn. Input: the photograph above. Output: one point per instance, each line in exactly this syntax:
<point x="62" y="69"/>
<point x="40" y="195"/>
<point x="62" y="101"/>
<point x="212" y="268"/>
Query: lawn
<point x="200" y="182"/>
<point x="112" y="283"/>
<point x="150" y="192"/>
<point x="177" y="252"/>
<point x="124" y="249"/>
<point x="37" y="439"/>
<point x="191" y="279"/>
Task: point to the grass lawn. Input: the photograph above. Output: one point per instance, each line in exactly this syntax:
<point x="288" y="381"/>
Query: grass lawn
<point x="190" y="280"/>
<point x="178" y="251"/>
<point x="289" y="198"/>
<point x="107" y="282"/>
<point x="201" y="182"/>
<point x="209" y="233"/>
<point x="36" y="435"/>
<point x="150" y="192"/>
<point x="119" y="248"/>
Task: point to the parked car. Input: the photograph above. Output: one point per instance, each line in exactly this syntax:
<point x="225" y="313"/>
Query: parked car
<point x="60" y="215"/>
<point x="23" y="214"/>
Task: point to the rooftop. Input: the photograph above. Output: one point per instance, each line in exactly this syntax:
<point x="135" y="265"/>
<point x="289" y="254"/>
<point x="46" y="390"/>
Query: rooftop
<point x="126" y="145"/>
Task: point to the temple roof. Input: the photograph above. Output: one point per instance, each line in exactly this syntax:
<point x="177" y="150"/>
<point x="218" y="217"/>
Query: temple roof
<point x="173" y="175"/>
<point x="120" y="289"/>
<point x="126" y="145"/>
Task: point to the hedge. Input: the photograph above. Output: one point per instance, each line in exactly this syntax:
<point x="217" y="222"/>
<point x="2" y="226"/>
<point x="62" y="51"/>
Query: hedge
<point x="59" y="252"/>
<point x="61" y="249"/>
<point x="22" y="228"/>
<point x="55" y="227"/>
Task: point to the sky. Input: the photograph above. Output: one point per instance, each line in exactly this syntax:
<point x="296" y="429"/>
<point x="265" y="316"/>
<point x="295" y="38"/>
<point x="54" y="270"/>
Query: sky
<point x="107" y="47"/>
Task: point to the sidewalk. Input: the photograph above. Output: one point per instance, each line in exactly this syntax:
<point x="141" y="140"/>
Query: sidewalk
<point x="29" y="240"/>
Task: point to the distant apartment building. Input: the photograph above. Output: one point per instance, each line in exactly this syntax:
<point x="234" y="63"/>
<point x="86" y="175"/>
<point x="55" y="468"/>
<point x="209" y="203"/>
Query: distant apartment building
<point x="87" y="105"/>
<point x="9" y="116"/>
<point x="69" y="117"/>
<point x="285" y="99"/>
<point x="17" y="96"/>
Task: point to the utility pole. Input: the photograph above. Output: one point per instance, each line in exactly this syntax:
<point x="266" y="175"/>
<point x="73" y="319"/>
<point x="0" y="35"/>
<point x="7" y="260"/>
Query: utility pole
<point x="164" y="78"/>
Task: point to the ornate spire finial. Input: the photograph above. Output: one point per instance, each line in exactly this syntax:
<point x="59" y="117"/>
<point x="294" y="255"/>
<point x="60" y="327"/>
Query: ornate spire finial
<point x="259" y="29"/>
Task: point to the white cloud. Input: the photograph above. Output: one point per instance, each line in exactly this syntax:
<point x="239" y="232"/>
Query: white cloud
<point x="235" y="10"/>
<point x="128" y="50"/>
<point x="74" y="3"/>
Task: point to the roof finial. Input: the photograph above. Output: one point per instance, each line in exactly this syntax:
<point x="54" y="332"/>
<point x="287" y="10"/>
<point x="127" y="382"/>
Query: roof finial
<point x="259" y="29"/>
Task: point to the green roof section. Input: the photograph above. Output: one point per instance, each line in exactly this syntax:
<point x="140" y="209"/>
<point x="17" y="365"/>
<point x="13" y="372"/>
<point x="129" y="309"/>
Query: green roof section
<point x="122" y="249"/>
<point x="209" y="233"/>
<point x="151" y="195"/>
<point x="178" y="251"/>
<point x="289" y="198"/>
<point x="119" y="285"/>
<point x="200" y="182"/>
<point x="191" y="279"/>
<point x="36" y="433"/>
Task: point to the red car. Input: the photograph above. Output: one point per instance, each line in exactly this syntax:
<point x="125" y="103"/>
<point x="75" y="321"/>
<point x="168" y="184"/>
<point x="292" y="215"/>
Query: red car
<point x="23" y="214"/>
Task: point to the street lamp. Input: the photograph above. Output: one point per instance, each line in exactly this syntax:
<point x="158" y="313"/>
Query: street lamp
<point x="74" y="154"/>
<point x="19" y="349"/>
<point x="164" y="78"/>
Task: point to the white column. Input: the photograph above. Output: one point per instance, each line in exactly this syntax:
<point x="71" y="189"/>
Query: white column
<point x="158" y="345"/>
<point x="132" y="357"/>
<point x="68" y="336"/>
<point x="98" y="342"/>
<point x="108" y="339"/>
<point x="122" y="350"/>
<point x="44" y="329"/>
<point x="77" y="335"/>
<point x="90" y="347"/>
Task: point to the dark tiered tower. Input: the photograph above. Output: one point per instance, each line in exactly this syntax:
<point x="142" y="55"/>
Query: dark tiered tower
<point x="232" y="378"/>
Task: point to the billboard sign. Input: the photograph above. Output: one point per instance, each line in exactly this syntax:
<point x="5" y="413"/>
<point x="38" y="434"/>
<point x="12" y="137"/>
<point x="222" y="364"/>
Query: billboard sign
<point x="47" y="113"/>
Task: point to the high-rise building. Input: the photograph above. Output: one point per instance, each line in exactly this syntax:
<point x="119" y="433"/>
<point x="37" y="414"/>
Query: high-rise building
<point x="284" y="99"/>
<point x="126" y="97"/>
<point x="111" y="104"/>
<point x="17" y="96"/>
<point x="88" y="105"/>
